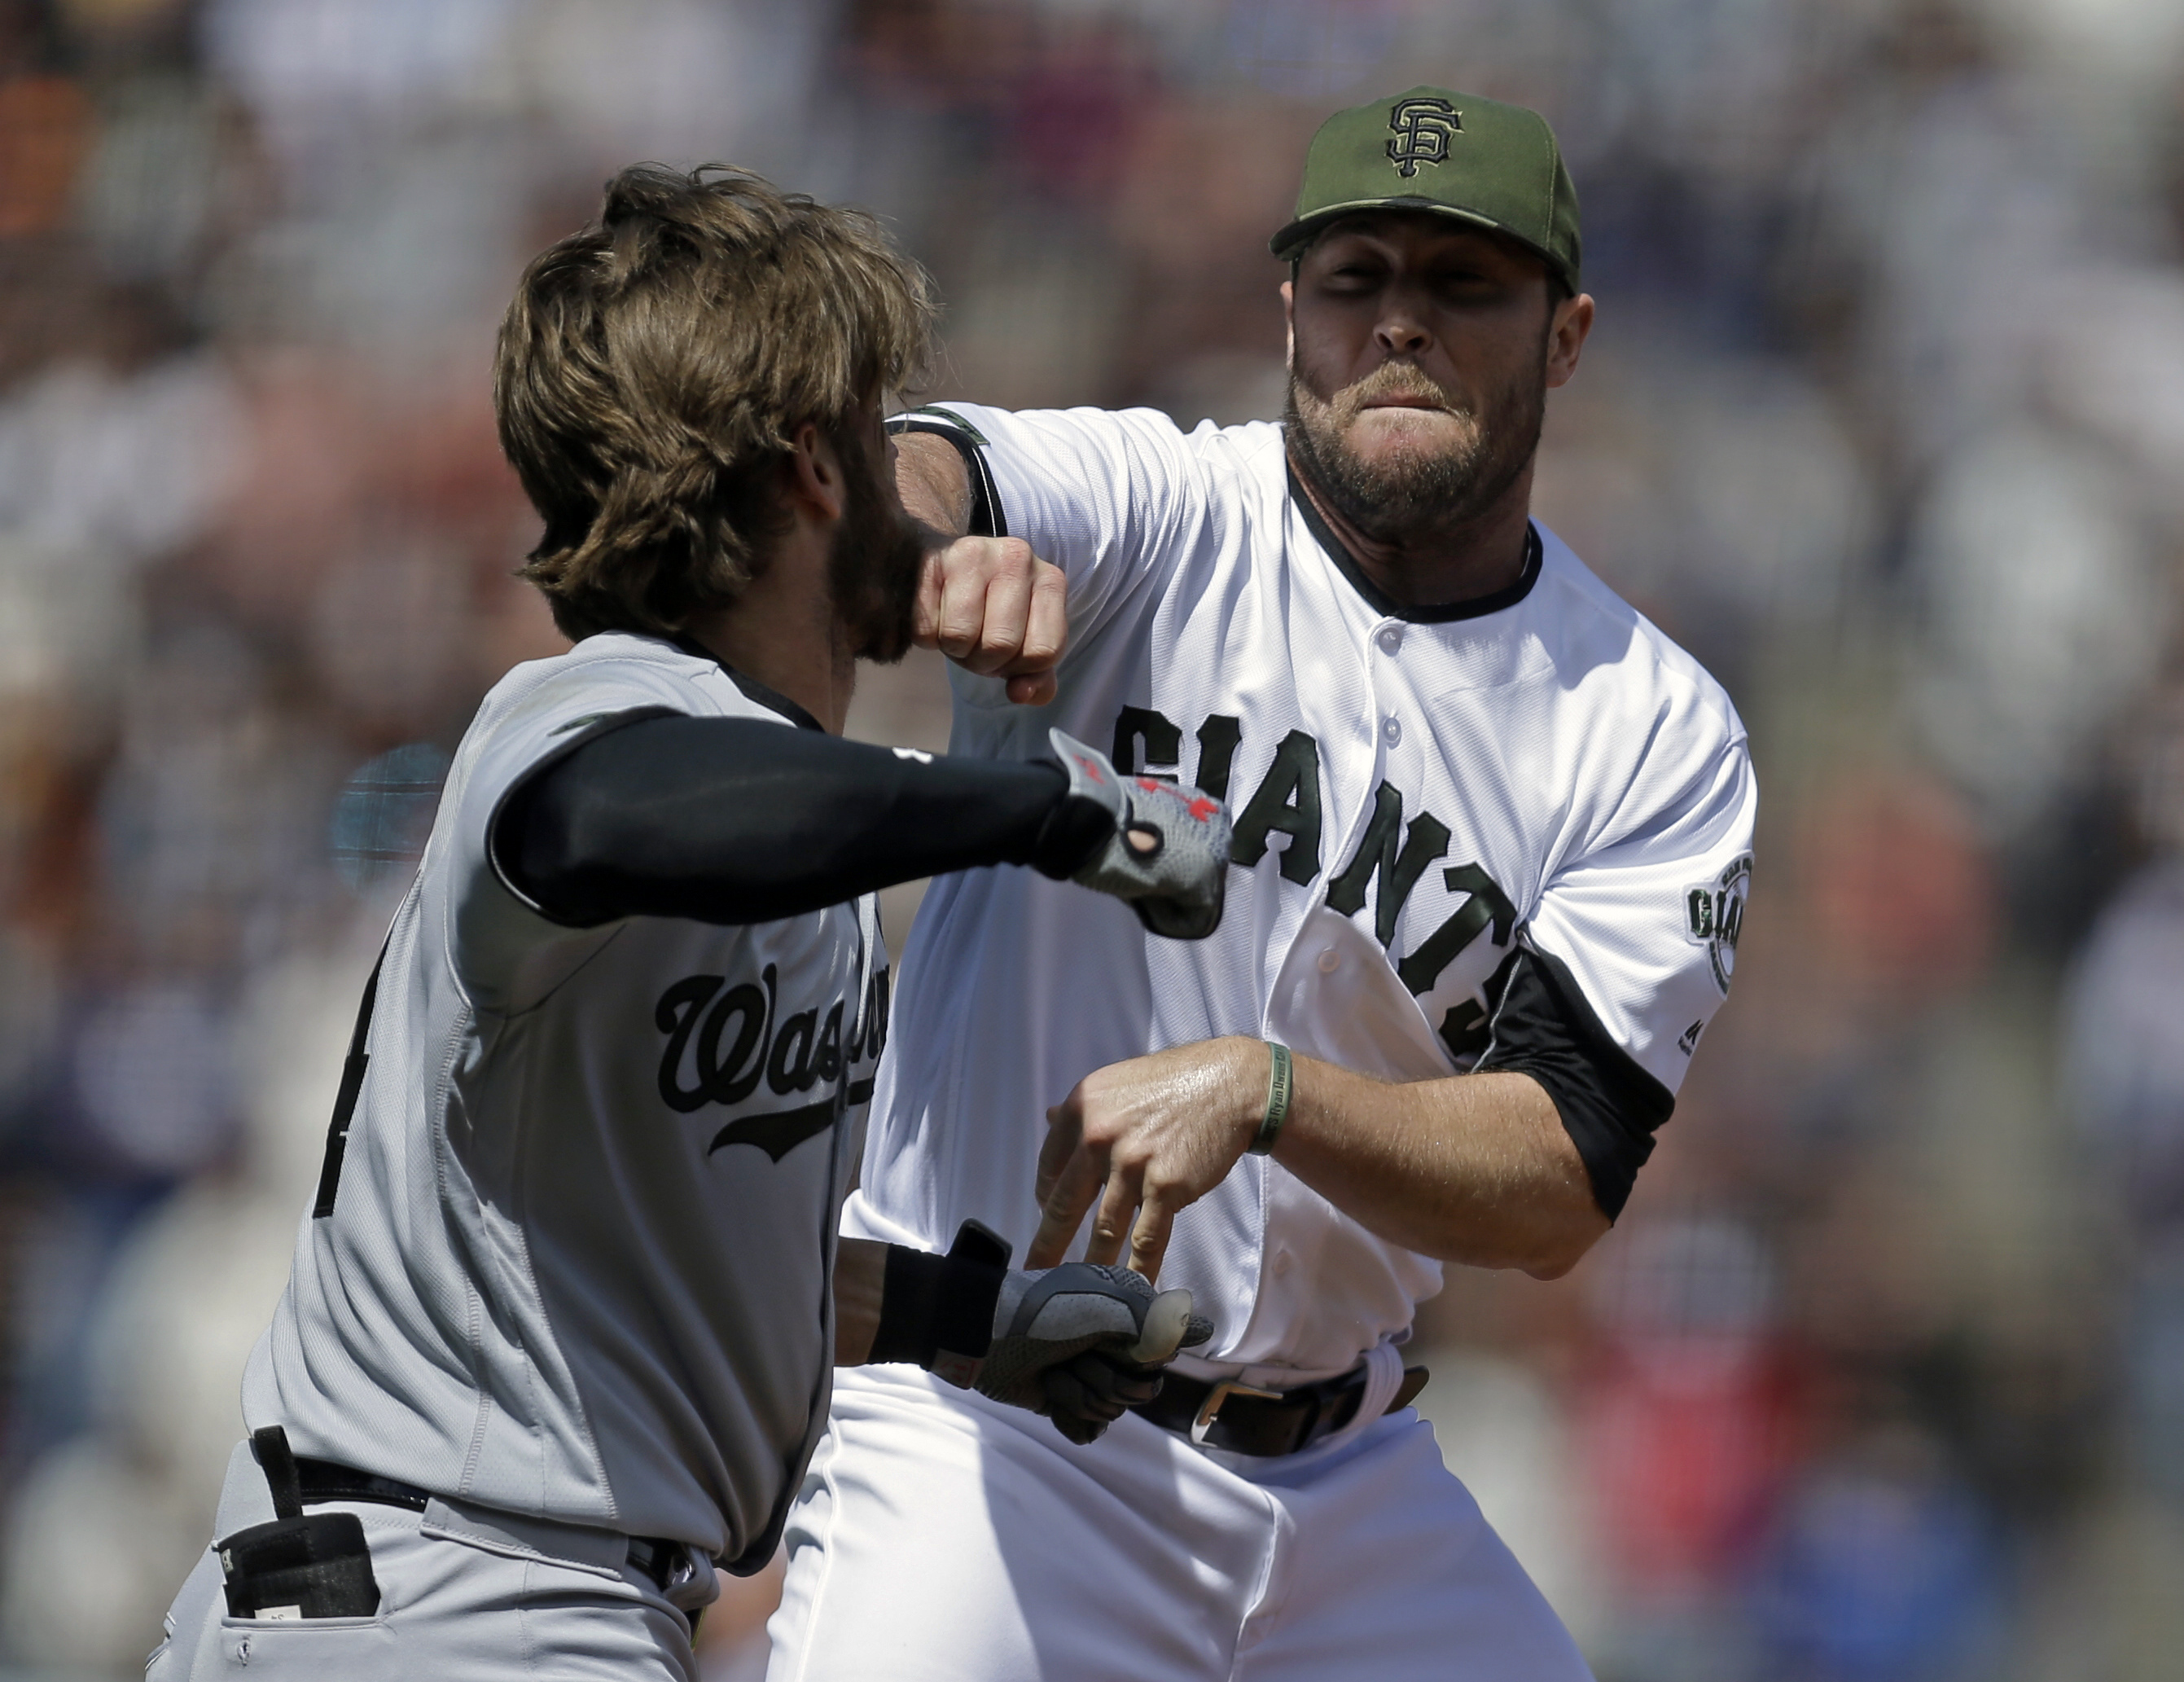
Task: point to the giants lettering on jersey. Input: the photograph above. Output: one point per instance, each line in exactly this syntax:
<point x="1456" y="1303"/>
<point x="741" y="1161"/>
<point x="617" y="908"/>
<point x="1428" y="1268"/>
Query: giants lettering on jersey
<point x="1287" y="801"/>
<point x="790" y="1054"/>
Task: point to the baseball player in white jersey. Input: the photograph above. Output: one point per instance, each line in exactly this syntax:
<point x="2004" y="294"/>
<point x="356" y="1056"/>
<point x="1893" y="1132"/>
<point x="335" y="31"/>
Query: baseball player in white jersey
<point x="558" y="1329"/>
<point x="1492" y="838"/>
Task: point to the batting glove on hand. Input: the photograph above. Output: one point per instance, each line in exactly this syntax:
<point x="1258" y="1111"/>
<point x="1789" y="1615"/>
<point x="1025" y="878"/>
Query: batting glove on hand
<point x="1167" y="852"/>
<point x="1081" y="1342"/>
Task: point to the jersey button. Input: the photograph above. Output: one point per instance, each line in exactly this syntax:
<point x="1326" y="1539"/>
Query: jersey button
<point x="1330" y="960"/>
<point x="1283" y="1261"/>
<point x="1391" y="731"/>
<point x="1391" y="638"/>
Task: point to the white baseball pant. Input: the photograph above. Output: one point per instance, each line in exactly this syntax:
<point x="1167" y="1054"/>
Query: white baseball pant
<point x="943" y="1538"/>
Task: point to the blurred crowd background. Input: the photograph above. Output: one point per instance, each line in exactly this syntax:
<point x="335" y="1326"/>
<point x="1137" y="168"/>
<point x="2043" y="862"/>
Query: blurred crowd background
<point x="1880" y="1377"/>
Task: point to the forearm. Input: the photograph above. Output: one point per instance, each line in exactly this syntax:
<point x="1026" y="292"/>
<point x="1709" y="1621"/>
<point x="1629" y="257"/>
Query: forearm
<point x="860" y="1286"/>
<point x="735" y="821"/>
<point x="985" y="601"/>
<point x="934" y="483"/>
<point x="1474" y="1169"/>
<point x="894" y="1303"/>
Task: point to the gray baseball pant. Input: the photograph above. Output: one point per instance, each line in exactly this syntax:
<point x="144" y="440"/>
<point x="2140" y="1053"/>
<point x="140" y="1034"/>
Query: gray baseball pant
<point x="464" y="1593"/>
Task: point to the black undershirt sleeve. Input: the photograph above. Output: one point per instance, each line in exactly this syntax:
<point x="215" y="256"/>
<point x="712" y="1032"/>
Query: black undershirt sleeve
<point x="1542" y="1025"/>
<point x="741" y="820"/>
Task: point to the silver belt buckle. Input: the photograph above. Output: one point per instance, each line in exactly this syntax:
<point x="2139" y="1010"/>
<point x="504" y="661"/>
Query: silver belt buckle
<point x="1217" y="1398"/>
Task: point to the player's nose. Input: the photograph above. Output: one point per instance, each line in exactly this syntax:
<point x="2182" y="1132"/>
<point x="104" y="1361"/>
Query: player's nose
<point x="1400" y="333"/>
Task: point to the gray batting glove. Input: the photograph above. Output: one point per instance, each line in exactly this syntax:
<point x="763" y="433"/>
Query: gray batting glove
<point x="1176" y="883"/>
<point x="1081" y="1342"/>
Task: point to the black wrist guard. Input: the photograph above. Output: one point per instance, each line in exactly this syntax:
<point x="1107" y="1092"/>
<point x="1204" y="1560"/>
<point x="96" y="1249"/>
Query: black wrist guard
<point x="937" y="1312"/>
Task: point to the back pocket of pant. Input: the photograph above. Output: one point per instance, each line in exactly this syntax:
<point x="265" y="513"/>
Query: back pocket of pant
<point x="306" y="1568"/>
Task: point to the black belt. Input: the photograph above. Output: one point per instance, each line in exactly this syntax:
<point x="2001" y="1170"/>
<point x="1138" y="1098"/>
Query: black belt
<point x="1245" y="1420"/>
<point x="666" y="1564"/>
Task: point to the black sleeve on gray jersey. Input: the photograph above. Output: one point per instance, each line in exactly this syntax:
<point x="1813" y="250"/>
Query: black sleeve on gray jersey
<point x="987" y="519"/>
<point x="1544" y="1027"/>
<point x="740" y="820"/>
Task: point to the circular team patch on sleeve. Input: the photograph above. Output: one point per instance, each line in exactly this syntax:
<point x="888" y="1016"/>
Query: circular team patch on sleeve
<point x="1714" y="917"/>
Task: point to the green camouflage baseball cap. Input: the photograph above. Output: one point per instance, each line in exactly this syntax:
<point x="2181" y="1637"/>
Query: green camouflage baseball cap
<point x="1454" y="154"/>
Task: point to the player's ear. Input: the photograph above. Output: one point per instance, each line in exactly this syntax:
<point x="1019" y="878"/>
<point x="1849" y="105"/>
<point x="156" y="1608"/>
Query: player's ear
<point x="1289" y="320"/>
<point x="1566" y="337"/>
<point x="817" y="476"/>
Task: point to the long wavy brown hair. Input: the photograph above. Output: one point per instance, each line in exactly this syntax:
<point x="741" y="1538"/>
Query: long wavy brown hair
<point x="652" y="368"/>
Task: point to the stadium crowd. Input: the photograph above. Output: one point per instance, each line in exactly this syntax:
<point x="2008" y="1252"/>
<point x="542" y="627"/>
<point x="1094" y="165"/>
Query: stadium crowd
<point x="1881" y="1376"/>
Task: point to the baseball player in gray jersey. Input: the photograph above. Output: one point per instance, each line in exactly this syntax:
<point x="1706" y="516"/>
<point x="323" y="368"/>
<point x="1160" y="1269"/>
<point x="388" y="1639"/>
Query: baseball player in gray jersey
<point x="558" y="1334"/>
<point x="1491" y="844"/>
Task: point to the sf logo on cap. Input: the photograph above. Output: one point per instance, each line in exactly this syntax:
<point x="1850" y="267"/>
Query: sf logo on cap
<point x="1421" y="128"/>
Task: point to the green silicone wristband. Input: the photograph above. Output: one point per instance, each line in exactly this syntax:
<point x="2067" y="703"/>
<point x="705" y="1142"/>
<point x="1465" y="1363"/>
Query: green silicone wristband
<point x="1279" y="1085"/>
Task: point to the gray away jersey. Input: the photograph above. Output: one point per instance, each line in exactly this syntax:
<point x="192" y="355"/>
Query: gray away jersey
<point x="1435" y="811"/>
<point x="578" y="1266"/>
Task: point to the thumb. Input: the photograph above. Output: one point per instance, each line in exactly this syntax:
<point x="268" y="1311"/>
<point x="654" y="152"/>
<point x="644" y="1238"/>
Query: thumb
<point x="932" y="586"/>
<point x="1034" y="689"/>
<point x="1163" y="1332"/>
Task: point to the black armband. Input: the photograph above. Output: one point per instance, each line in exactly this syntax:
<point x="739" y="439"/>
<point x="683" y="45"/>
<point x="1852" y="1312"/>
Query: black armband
<point x="1610" y="1107"/>
<point x="937" y="1312"/>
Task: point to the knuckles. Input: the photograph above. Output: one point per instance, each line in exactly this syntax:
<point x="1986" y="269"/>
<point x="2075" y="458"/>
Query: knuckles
<point x="987" y="558"/>
<point x="1103" y="1133"/>
<point x="1132" y="1155"/>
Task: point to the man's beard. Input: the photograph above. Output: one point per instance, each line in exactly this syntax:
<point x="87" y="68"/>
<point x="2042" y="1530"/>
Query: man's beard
<point x="1417" y="490"/>
<point x="873" y="568"/>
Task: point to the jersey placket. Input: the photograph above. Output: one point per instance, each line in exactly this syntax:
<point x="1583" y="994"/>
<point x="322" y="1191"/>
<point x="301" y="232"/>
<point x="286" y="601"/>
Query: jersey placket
<point x="1386" y="692"/>
<point x="1294" y="1267"/>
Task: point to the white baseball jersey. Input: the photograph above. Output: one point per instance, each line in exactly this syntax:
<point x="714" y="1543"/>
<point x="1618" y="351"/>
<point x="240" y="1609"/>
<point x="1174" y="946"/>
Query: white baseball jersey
<point x="577" y="1265"/>
<point x="1511" y="834"/>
